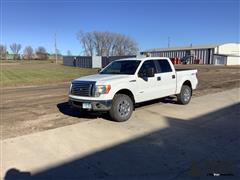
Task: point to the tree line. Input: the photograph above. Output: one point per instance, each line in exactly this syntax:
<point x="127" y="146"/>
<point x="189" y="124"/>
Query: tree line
<point x="100" y="43"/>
<point x="28" y="53"/>
<point x="107" y="43"/>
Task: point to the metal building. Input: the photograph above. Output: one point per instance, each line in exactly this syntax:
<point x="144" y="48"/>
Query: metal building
<point x="228" y="53"/>
<point x="91" y="61"/>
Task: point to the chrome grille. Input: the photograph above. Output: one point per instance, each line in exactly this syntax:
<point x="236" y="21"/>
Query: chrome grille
<point x="82" y="88"/>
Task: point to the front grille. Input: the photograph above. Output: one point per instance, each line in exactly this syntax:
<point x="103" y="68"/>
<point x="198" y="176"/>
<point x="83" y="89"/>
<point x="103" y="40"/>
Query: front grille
<point x="82" y="88"/>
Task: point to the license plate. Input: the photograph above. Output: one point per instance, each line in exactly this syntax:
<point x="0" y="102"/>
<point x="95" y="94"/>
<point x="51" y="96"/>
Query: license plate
<point x="86" y="105"/>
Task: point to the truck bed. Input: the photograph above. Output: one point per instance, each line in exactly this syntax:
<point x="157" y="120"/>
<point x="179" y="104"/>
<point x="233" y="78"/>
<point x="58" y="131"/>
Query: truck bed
<point x="183" y="70"/>
<point x="181" y="75"/>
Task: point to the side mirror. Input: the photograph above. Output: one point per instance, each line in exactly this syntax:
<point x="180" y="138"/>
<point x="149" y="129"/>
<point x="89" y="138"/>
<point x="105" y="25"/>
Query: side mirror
<point x="141" y="75"/>
<point x="150" y="72"/>
<point x="99" y="70"/>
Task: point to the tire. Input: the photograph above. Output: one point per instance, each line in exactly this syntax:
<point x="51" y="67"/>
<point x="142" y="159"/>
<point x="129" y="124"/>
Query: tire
<point x="185" y="95"/>
<point x="122" y="108"/>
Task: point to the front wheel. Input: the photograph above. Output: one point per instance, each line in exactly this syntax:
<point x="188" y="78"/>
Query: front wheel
<point x="122" y="108"/>
<point x="185" y="95"/>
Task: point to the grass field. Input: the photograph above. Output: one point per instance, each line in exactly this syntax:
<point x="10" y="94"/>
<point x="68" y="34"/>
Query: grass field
<point x="20" y="73"/>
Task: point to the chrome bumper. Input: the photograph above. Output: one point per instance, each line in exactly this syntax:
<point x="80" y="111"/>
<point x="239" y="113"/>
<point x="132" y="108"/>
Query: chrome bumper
<point x="97" y="105"/>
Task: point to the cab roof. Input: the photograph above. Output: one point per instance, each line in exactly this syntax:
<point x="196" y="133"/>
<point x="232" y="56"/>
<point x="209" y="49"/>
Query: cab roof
<point x="142" y="59"/>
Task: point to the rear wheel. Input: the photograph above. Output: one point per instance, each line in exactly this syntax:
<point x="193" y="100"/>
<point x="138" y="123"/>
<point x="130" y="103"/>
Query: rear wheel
<point x="185" y="95"/>
<point x="122" y="108"/>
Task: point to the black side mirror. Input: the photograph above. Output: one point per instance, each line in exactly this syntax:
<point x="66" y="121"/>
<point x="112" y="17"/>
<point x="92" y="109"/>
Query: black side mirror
<point x="99" y="70"/>
<point x="140" y="74"/>
<point x="150" y="72"/>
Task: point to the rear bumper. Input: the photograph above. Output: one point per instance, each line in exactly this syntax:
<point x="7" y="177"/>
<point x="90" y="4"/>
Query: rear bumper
<point x="97" y="105"/>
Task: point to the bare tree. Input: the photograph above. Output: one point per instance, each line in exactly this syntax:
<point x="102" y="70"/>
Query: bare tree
<point x="124" y="45"/>
<point x="15" y="50"/>
<point x="41" y="53"/>
<point x="107" y="43"/>
<point x="110" y="43"/>
<point x="100" y="40"/>
<point x="3" y="52"/>
<point x="87" y="41"/>
<point x="28" y="53"/>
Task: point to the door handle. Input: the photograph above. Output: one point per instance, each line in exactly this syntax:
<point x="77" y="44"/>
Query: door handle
<point x="173" y="76"/>
<point x="159" y="78"/>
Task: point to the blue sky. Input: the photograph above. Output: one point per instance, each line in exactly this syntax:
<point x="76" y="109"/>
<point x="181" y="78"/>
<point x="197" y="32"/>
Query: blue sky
<point x="34" y="23"/>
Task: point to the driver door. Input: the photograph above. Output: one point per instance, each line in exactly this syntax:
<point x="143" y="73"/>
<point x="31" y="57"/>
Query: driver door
<point x="146" y="86"/>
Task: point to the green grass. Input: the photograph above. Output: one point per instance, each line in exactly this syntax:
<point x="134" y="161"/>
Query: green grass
<point x="22" y="73"/>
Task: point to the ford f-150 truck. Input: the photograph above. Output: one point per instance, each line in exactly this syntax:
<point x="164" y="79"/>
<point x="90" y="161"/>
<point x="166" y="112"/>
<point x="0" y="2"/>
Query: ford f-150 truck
<point x="126" y="82"/>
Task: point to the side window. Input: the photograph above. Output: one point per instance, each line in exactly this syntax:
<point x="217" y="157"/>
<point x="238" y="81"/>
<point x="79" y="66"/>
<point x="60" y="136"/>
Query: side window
<point x="164" y="66"/>
<point x="146" y="65"/>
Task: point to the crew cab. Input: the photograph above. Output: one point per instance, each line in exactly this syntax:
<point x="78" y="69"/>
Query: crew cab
<point x="126" y="82"/>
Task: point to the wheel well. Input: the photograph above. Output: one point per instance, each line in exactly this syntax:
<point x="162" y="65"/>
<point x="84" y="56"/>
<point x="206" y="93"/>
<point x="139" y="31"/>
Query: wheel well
<point x="128" y="93"/>
<point x="188" y="83"/>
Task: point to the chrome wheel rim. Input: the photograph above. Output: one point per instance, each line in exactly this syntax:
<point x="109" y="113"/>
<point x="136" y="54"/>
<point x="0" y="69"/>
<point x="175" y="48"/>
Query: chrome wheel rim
<point x="186" y="95"/>
<point x="124" y="108"/>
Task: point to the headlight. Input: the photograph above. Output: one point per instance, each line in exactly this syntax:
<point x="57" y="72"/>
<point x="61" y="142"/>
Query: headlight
<point x="101" y="89"/>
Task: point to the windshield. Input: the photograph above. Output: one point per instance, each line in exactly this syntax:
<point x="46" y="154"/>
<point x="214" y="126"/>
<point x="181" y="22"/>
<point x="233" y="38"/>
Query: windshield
<point x="121" y="67"/>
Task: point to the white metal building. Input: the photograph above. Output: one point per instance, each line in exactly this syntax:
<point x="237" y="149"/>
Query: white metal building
<point x="226" y="54"/>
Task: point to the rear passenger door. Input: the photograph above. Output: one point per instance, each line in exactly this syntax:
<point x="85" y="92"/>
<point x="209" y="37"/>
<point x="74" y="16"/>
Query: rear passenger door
<point x="166" y="78"/>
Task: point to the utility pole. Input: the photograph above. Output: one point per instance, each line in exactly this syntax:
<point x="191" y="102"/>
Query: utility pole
<point x="55" y="45"/>
<point x="168" y="42"/>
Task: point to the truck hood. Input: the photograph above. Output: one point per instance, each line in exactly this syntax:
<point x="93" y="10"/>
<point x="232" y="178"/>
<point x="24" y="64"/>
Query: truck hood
<point x="103" y="77"/>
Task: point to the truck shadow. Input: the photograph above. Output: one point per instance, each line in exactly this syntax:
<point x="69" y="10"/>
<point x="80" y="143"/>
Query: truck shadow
<point x="165" y="100"/>
<point x="66" y="109"/>
<point x="199" y="147"/>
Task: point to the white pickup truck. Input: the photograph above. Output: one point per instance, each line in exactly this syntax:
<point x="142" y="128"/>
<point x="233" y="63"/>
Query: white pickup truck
<point x="125" y="82"/>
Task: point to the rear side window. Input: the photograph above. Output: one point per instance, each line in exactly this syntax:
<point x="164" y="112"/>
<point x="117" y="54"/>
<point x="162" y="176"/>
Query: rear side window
<point x="163" y="66"/>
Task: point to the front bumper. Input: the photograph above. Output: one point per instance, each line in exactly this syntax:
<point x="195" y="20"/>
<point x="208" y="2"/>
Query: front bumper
<point x="97" y="105"/>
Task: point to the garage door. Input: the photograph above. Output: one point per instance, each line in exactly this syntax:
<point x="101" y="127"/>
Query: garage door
<point x="221" y="60"/>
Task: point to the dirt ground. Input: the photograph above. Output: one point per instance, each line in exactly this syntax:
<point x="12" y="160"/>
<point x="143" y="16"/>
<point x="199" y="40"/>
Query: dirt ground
<point x="31" y="109"/>
<point x="215" y="78"/>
